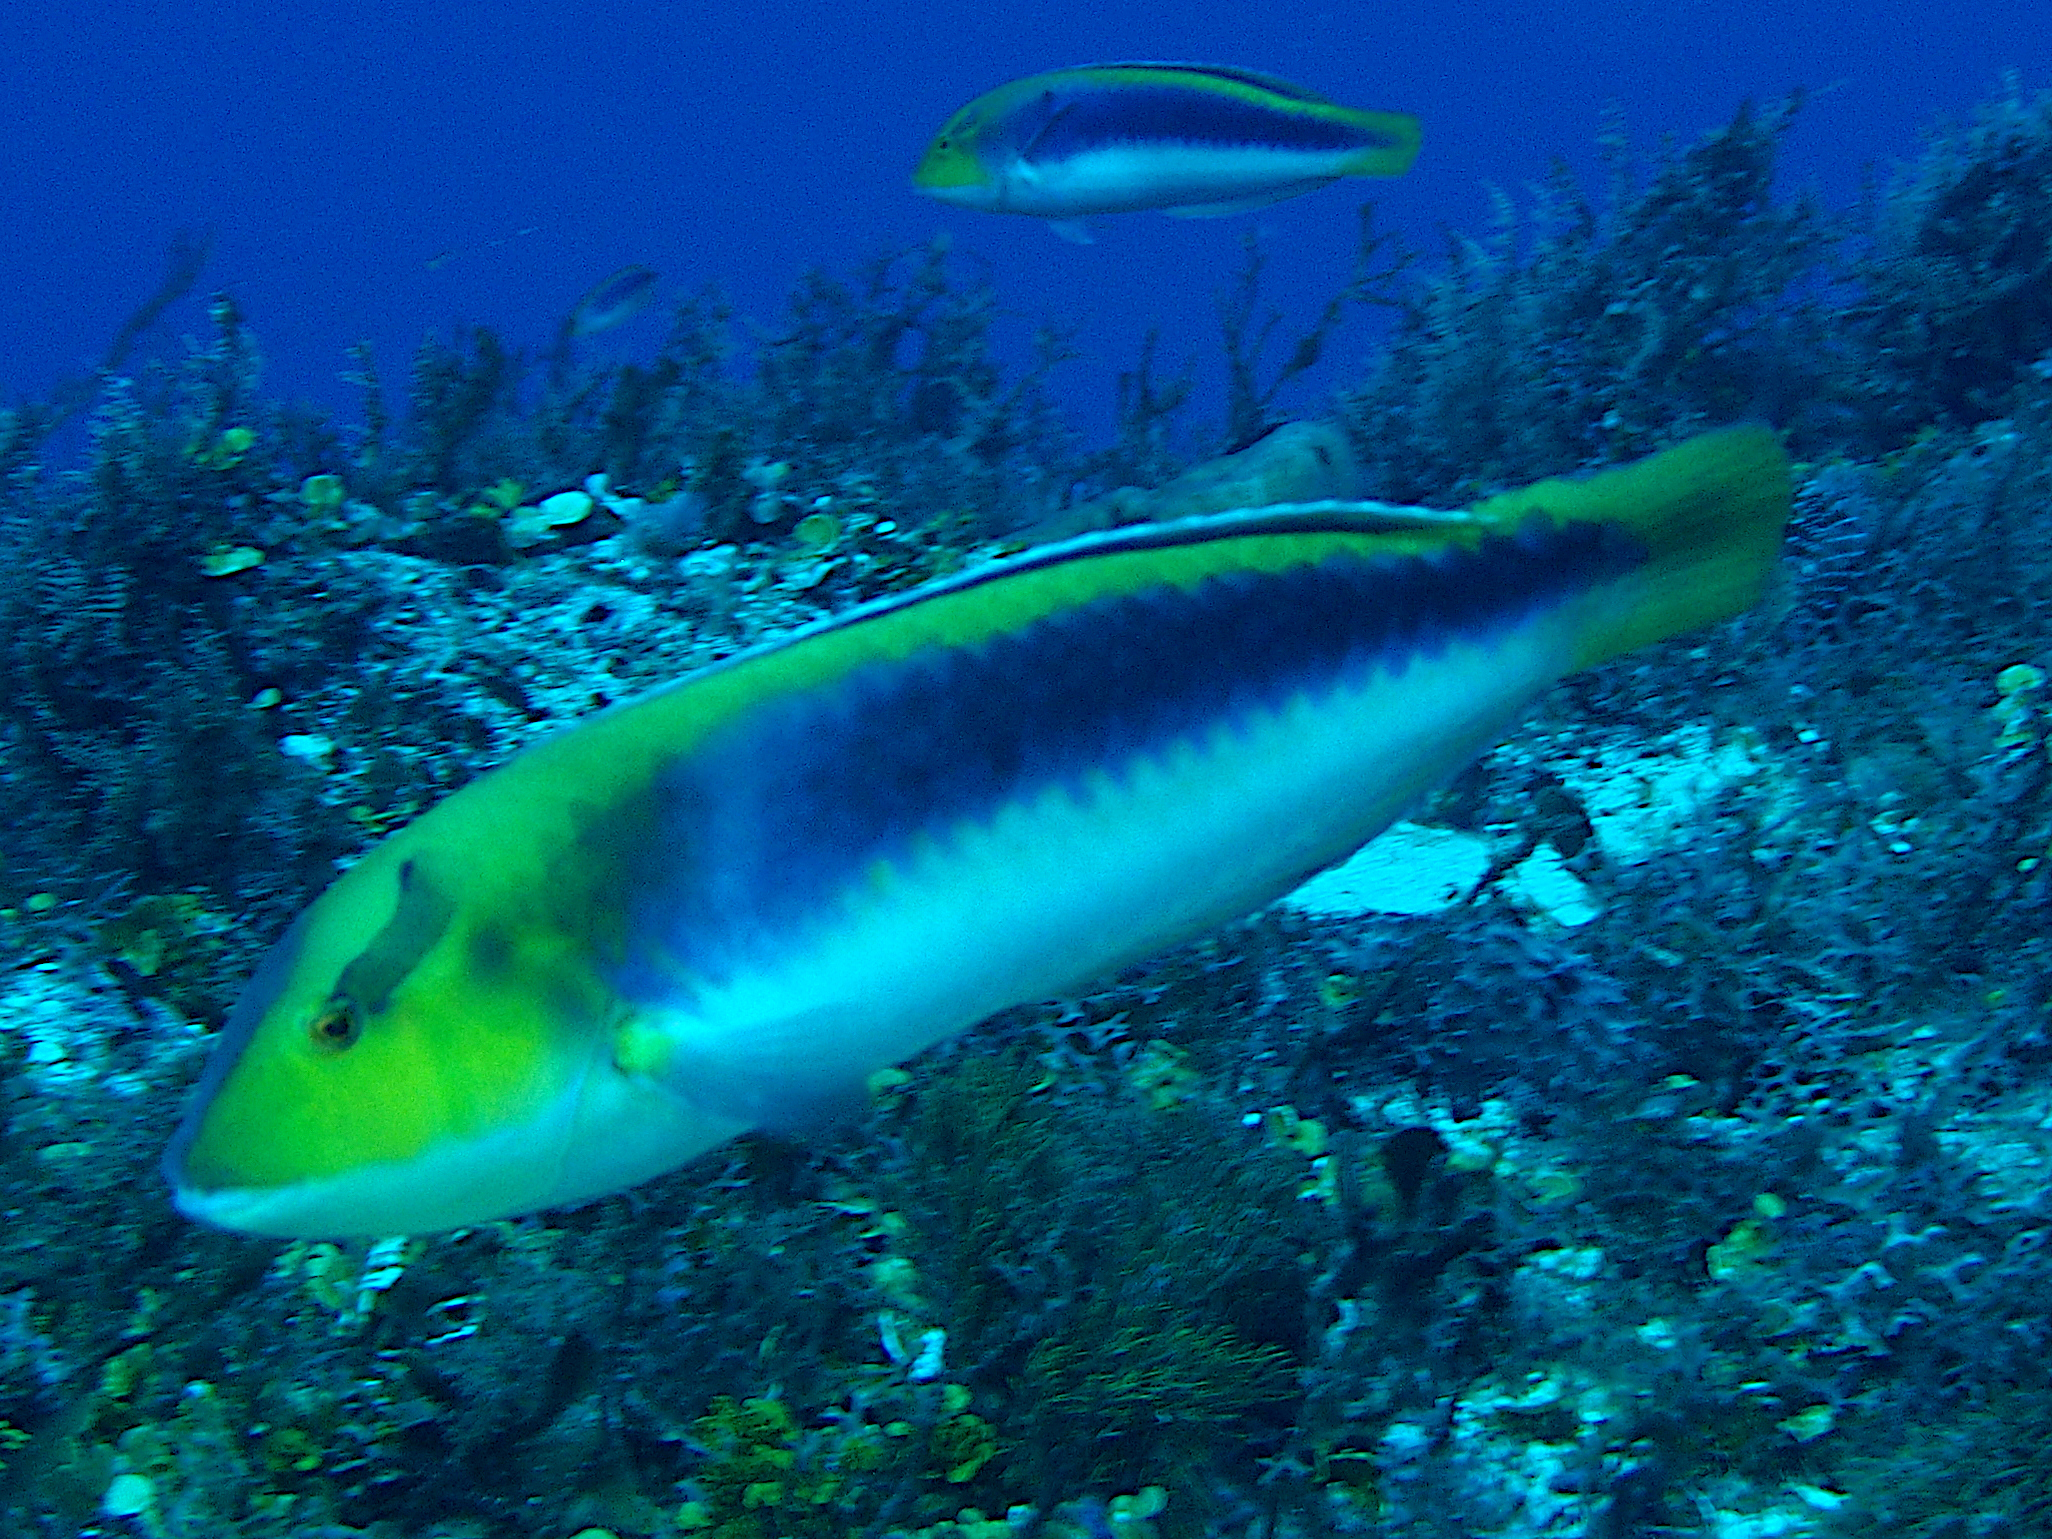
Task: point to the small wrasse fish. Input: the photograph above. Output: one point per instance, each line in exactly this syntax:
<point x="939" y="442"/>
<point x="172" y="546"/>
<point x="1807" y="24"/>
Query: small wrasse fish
<point x="1188" y="139"/>
<point x="726" y="904"/>
<point x="612" y="301"/>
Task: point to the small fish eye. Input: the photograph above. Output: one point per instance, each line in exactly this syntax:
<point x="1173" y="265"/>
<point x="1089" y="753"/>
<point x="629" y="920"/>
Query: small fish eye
<point x="337" y="1027"/>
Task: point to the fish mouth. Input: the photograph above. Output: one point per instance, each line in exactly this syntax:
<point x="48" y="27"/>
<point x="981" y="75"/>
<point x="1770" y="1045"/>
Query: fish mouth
<point x="372" y="1201"/>
<point x="458" y="1181"/>
<point x="257" y="1210"/>
<point x="953" y="180"/>
<point x="603" y="1132"/>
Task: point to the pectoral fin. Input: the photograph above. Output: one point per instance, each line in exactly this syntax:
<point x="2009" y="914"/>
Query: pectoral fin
<point x="795" y="1077"/>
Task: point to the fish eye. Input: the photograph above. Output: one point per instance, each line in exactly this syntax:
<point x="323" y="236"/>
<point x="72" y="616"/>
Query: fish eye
<point x="337" y="1027"/>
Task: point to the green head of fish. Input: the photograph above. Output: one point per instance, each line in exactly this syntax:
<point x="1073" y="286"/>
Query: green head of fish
<point x="952" y="169"/>
<point x="434" y="1043"/>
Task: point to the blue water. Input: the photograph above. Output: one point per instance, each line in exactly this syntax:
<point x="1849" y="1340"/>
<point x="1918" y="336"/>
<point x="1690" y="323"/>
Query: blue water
<point x="374" y="172"/>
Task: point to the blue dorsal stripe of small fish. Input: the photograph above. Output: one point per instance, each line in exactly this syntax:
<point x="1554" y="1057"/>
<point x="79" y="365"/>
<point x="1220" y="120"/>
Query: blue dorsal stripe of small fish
<point x="1090" y="120"/>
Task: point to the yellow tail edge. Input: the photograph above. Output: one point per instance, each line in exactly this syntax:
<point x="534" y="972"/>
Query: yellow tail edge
<point x="1402" y="135"/>
<point x="1710" y="512"/>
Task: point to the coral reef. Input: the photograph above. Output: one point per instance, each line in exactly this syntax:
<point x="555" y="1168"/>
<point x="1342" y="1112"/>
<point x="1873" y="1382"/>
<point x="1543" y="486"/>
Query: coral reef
<point x="1957" y="284"/>
<point x="1585" y="335"/>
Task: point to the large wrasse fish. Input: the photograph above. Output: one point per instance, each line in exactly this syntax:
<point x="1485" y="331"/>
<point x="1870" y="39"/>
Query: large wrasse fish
<point x="726" y="904"/>
<point x="1188" y="139"/>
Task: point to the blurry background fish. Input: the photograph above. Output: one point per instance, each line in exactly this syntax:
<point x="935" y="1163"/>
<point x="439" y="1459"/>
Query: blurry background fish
<point x="609" y="303"/>
<point x="1193" y="140"/>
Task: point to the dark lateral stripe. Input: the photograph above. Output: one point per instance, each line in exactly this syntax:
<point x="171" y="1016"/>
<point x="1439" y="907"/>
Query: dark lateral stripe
<point x="1092" y="120"/>
<point x="783" y="805"/>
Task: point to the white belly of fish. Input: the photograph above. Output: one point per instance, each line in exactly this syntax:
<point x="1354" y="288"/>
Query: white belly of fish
<point x="1123" y="178"/>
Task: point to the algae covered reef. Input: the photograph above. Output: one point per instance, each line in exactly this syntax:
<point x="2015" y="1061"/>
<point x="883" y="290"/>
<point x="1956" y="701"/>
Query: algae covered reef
<point x="1677" y="1166"/>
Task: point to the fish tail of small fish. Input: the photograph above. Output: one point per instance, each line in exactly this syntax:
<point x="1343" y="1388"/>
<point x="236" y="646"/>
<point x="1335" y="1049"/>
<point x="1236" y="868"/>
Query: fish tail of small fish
<point x="1397" y="136"/>
<point x="1708" y="516"/>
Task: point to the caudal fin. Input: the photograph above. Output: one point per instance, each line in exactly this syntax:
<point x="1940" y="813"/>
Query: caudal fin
<point x="1394" y="138"/>
<point x="1709" y="513"/>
